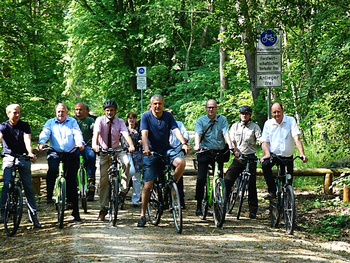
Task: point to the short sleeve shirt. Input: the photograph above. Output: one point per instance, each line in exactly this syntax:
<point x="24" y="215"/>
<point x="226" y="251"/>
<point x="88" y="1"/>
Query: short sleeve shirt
<point x="101" y="127"/>
<point x="158" y="130"/>
<point x="214" y="137"/>
<point x="245" y="136"/>
<point x="280" y="136"/>
<point x="13" y="140"/>
<point x="86" y="126"/>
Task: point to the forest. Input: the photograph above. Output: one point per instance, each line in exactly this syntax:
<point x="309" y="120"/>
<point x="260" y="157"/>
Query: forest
<point x="87" y="51"/>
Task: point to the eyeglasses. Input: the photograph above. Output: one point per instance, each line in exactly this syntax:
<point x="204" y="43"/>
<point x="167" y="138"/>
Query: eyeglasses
<point x="211" y="108"/>
<point x="245" y="113"/>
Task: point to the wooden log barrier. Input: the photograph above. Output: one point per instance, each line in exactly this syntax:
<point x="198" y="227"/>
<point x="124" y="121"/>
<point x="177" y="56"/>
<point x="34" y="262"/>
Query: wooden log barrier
<point x="346" y="194"/>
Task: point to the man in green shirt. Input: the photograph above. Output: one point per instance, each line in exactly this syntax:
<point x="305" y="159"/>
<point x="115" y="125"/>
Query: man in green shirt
<point x="86" y="125"/>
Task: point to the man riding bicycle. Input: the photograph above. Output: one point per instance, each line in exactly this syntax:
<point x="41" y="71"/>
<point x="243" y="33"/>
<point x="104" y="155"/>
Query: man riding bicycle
<point x="16" y="138"/>
<point x="278" y="137"/>
<point x="156" y="125"/>
<point x="211" y="131"/>
<point x="107" y="132"/>
<point x="244" y="135"/>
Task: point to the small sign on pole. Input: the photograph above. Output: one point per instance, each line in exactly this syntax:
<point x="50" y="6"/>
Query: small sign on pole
<point x="141" y="75"/>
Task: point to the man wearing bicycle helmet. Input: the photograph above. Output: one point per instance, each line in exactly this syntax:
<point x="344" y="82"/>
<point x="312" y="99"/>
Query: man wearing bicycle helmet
<point x="16" y="138"/>
<point x="280" y="135"/>
<point x="245" y="135"/>
<point x="107" y="132"/>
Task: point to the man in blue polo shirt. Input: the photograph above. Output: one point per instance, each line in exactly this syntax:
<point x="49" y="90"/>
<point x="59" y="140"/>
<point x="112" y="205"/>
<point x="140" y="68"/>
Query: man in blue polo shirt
<point x="16" y="138"/>
<point x="156" y="125"/>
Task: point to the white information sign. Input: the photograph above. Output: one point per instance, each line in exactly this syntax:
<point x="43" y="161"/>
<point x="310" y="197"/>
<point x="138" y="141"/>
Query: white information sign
<point x="269" y="80"/>
<point x="141" y="74"/>
<point x="268" y="63"/>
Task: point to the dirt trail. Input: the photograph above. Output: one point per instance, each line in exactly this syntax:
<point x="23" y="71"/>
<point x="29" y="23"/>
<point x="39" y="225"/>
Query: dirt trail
<point x="243" y="240"/>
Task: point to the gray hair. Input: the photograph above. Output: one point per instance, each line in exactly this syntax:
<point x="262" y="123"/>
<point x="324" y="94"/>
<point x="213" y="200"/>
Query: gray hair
<point x="61" y="104"/>
<point x="156" y="97"/>
<point x="11" y="106"/>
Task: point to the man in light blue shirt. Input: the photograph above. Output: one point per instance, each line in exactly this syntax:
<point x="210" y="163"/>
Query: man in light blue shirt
<point x="178" y="160"/>
<point x="65" y="137"/>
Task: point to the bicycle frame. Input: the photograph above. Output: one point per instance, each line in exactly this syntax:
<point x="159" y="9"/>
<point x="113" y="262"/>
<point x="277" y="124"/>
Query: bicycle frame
<point x="79" y="181"/>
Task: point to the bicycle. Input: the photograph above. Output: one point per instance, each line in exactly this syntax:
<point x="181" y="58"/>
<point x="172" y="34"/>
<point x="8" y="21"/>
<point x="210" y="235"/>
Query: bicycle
<point x="82" y="183"/>
<point x="239" y="190"/>
<point x="114" y="181"/>
<point x="285" y="194"/>
<point x="14" y="199"/>
<point x="165" y="194"/>
<point x="214" y="193"/>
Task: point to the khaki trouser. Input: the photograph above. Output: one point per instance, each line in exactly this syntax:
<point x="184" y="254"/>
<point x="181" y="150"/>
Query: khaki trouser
<point x="105" y="162"/>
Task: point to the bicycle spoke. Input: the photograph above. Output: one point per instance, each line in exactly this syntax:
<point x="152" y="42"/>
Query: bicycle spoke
<point x="219" y="210"/>
<point x="175" y="207"/>
<point x="13" y="211"/>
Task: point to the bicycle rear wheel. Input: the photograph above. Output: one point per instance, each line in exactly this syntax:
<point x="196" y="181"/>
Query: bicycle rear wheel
<point x="83" y="189"/>
<point x="61" y="201"/>
<point x="175" y="207"/>
<point x="219" y="205"/>
<point x="13" y="211"/>
<point x="242" y="190"/>
<point x="113" y="201"/>
<point x="233" y="196"/>
<point x="155" y="207"/>
<point x="289" y="209"/>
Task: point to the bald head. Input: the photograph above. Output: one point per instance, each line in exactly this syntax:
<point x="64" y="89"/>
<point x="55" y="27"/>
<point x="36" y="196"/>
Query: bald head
<point x="79" y="110"/>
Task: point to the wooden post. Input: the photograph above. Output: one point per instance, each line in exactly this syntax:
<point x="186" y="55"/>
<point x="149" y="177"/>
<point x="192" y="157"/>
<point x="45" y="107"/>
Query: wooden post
<point x="346" y="194"/>
<point x="328" y="179"/>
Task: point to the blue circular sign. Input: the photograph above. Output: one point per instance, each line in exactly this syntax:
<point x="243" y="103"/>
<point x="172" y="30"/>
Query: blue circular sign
<point x="141" y="70"/>
<point x="268" y="38"/>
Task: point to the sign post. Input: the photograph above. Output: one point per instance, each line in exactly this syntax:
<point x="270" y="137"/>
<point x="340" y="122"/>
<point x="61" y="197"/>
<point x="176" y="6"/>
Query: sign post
<point x="269" y="62"/>
<point x="141" y="75"/>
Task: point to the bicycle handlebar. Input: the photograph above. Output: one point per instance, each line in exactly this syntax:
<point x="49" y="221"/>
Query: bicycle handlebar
<point x="273" y="156"/>
<point x="16" y="155"/>
<point x="203" y="149"/>
<point x="110" y="150"/>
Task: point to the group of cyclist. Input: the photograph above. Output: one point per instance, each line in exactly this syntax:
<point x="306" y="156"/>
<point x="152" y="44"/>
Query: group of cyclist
<point x="158" y="132"/>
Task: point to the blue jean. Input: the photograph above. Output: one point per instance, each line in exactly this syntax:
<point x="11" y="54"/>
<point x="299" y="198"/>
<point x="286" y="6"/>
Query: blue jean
<point x="26" y="177"/>
<point x="90" y="161"/>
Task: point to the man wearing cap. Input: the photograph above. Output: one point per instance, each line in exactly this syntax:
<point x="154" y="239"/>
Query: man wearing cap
<point x="245" y="135"/>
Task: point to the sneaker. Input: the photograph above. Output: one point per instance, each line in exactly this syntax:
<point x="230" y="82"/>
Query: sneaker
<point x="142" y="222"/>
<point x="270" y="196"/>
<point x="199" y="212"/>
<point x="102" y="215"/>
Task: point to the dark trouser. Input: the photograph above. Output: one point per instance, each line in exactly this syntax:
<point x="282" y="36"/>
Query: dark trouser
<point x="204" y="159"/>
<point x="70" y="167"/>
<point x="231" y="176"/>
<point x="180" y="187"/>
<point x="267" y="170"/>
<point x="26" y="177"/>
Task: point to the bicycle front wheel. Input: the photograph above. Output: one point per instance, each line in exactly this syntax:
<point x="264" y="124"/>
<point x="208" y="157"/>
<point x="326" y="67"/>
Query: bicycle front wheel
<point x="113" y="201"/>
<point x="154" y="206"/>
<point x="13" y="211"/>
<point x="175" y="207"/>
<point x="83" y="189"/>
<point x="61" y="201"/>
<point x="219" y="206"/>
<point x="242" y="190"/>
<point x="289" y="209"/>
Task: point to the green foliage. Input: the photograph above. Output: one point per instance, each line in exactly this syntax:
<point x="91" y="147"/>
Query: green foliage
<point x="330" y="226"/>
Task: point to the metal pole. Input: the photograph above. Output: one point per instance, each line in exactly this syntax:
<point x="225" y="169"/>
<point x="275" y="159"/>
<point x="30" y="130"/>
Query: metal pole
<point x="141" y="101"/>
<point x="268" y="103"/>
